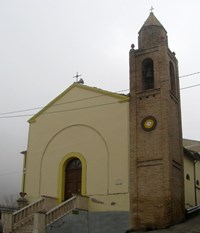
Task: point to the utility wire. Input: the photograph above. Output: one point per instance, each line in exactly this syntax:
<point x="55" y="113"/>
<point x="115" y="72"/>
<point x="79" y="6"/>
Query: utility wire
<point x="187" y="75"/>
<point x="78" y="100"/>
<point x="54" y="105"/>
<point x="73" y="109"/>
<point x="183" y="88"/>
<point x="66" y="110"/>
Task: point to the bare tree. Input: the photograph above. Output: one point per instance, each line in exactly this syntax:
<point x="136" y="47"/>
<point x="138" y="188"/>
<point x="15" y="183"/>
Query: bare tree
<point x="10" y="201"/>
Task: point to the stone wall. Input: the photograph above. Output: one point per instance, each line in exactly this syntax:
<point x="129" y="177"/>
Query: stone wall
<point x="93" y="222"/>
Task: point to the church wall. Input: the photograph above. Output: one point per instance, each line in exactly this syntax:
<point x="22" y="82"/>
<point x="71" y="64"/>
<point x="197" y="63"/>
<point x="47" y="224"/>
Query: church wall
<point x="191" y="184"/>
<point x="98" y="134"/>
<point x="198" y="179"/>
<point x="189" y="165"/>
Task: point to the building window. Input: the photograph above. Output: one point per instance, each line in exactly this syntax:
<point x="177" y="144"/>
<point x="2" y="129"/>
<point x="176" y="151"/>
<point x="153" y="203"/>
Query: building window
<point x="148" y="74"/>
<point x="187" y="177"/>
<point x="172" y="77"/>
<point x="197" y="182"/>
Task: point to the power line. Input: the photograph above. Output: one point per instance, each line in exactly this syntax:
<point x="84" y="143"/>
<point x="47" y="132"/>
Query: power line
<point x="73" y="101"/>
<point x="54" y="105"/>
<point x="187" y="75"/>
<point x="66" y="110"/>
<point x="25" y="110"/>
<point x="183" y="88"/>
<point x="16" y="116"/>
<point x="73" y="109"/>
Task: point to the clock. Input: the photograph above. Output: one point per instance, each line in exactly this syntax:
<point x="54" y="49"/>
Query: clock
<point x="149" y="123"/>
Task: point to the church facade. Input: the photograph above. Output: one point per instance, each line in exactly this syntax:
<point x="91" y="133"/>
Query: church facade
<point x="123" y="152"/>
<point x="82" y="134"/>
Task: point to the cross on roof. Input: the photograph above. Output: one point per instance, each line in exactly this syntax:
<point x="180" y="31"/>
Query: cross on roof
<point x="151" y="9"/>
<point x="76" y="76"/>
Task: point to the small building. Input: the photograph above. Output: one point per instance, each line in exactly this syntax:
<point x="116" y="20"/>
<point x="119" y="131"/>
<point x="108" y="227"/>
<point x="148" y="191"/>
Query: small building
<point x="192" y="172"/>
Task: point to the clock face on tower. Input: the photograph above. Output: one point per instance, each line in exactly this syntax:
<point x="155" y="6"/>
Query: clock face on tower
<point x="149" y="123"/>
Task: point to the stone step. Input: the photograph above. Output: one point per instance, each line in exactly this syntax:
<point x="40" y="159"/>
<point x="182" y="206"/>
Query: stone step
<point x="28" y="228"/>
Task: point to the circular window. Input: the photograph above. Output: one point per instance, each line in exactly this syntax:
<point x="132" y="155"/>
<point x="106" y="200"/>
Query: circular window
<point x="149" y="123"/>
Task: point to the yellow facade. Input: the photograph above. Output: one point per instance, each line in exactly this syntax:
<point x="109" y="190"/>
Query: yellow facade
<point x="85" y="123"/>
<point x="92" y="125"/>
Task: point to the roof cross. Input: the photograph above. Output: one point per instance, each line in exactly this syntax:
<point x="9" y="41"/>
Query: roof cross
<point x="151" y="9"/>
<point x="76" y="76"/>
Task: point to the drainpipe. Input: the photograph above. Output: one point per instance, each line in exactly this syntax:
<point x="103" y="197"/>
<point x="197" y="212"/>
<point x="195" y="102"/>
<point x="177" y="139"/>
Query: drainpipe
<point x="24" y="171"/>
<point x="195" y="190"/>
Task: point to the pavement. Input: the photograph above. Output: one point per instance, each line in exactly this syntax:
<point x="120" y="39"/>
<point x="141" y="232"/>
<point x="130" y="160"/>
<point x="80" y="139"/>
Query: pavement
<point x="191" y="225"/>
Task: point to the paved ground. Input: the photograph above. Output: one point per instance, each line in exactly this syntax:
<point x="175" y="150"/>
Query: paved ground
<point x="191" y="225"/>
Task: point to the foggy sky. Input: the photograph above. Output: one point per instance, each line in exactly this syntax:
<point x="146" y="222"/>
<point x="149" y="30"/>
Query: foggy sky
<point x="43" y="43"/>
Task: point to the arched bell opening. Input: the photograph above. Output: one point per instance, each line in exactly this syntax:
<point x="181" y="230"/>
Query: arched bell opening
<point x="148" y="74"/>
<point x="172" y="77"/>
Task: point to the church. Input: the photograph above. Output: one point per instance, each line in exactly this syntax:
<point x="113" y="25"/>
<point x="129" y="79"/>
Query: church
<point x="100" y="162"/>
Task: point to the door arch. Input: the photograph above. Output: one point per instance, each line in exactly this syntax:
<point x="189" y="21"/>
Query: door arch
<point x="73" y="175"/>
<point x="65" y="164"/>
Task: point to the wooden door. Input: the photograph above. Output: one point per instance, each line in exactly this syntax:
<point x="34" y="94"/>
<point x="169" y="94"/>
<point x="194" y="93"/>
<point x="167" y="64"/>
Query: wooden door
<point x="73" y="173"/>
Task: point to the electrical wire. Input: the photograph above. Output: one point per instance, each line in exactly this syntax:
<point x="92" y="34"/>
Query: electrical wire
<point x="54" y="105"/>
<point x="183" y="88"/>
<point x="187" y="75"/>
<point x="77" y="100"/>
<point x="65" y="110"/>
<point x="73" y="101"/>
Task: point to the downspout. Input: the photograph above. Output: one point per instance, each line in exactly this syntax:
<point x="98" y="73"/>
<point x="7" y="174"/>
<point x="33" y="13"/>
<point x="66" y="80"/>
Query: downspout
<point x="195" y="190"/>
<point x="24" y="171"/>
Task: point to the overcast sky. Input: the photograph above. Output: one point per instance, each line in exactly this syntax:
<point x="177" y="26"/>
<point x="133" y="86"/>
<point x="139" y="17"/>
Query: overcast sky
<point x="43" y="43"/>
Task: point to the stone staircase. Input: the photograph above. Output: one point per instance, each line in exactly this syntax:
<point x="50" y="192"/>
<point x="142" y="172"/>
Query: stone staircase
<point x="75" y="202"/>
<point x="22" y="220"/>
<point x="36" y="216"/>
<point x="25" y="228"/>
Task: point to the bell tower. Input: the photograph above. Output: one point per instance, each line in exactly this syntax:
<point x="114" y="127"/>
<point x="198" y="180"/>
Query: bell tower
<point x="156" y="159"/>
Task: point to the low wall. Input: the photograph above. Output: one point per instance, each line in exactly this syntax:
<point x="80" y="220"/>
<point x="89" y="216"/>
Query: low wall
<point x="91" y="222"/>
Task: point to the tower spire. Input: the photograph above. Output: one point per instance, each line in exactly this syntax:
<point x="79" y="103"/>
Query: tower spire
<point x="152" y="33"/>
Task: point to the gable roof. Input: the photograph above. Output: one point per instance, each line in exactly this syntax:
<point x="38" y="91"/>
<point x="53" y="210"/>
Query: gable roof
<point x="192" y="154"/>
<point x="120" y="97"/>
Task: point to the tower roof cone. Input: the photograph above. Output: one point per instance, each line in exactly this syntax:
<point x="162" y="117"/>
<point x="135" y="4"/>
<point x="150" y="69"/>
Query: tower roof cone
<point x="152" y="21"/>
<point x="152" y="33"/>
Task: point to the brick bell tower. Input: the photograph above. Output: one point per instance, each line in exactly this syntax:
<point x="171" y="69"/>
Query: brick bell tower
<point x="156" y="151"/>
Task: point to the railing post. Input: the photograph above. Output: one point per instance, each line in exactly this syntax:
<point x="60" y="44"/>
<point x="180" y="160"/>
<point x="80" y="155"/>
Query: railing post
<point x="82" y="202"/>
<point x="49" y="202"/>
<point x="39" y="222"/>
<point x="7" y="221"/>
<point x="22" y="202"/>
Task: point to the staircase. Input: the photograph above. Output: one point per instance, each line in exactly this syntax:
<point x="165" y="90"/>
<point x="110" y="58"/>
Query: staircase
<point x="25" y="228"/>
<point x="75" y="202"/>
<point x="22" y="221"/>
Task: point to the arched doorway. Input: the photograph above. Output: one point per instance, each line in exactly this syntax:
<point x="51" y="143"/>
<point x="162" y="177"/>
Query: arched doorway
<point x="73" y="178"/>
